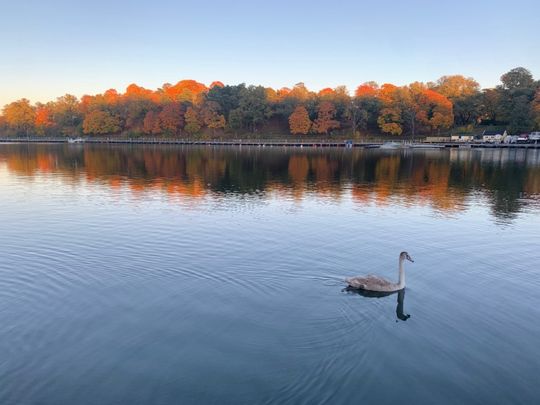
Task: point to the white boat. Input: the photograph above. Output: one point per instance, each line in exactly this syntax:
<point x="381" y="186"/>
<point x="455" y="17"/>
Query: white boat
<point x="75" y="140"/>
<point x="391" y="145"/>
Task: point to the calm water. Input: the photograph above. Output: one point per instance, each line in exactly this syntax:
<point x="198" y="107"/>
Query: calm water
<point x="170" y="275"/>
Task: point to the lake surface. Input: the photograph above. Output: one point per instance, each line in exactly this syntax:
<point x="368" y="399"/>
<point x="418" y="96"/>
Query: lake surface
<point x="186" y="275"/>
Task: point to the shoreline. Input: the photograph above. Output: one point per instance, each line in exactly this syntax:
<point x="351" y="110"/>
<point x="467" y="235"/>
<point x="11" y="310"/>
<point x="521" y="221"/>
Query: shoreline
<point x="271" y="143"/>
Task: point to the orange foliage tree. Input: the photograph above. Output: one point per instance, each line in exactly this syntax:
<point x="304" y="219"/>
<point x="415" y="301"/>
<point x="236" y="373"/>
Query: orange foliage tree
<point x="399" y="108"/>
<point x="368" y="89"/>
<point x="20" y="115"/>
<point x="299" y="122"/>
<point x="44" y="119"/>
<point x="185" y="90"/>
<point x="434" y="110"/>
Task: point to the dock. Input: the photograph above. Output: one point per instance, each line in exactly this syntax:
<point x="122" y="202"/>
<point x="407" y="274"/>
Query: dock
<point x="267" y="143"/>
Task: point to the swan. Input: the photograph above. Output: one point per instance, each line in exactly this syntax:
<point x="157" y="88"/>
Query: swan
<point x="374" y="283"/>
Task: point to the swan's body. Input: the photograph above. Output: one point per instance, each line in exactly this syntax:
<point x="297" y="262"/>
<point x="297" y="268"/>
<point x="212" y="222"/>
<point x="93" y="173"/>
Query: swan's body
<point x="374" y="283"/>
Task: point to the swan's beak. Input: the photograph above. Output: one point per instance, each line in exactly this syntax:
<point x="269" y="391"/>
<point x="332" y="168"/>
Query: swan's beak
<point x="409" y="258"/>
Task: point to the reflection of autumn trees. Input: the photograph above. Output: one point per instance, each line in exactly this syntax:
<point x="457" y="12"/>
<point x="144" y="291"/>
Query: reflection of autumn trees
<point x="298" y="169"/>
<point x="442" y="180"/>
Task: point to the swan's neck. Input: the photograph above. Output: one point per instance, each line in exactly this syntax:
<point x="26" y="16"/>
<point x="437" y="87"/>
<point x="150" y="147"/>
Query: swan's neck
<point x="401" y="282"/>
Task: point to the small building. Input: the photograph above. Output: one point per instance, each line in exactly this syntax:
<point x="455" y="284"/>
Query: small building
<point x="462" y="138"/>
<point x="493" y="136"/>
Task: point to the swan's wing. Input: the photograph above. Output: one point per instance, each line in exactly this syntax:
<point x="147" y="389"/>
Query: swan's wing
<point x="369" y="282"/>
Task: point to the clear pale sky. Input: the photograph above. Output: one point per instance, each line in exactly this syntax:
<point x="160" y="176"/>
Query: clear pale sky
<point x="52" y="47"/>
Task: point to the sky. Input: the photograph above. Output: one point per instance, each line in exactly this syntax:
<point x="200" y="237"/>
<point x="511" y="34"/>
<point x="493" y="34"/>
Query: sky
<point x="50" y="48"/>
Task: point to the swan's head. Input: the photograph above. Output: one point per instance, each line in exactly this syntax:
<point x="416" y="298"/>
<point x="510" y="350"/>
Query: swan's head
<point x="405" y="256"/>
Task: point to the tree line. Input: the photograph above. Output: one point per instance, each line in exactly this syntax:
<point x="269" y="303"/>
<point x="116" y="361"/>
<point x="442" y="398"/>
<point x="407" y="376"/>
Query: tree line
<point x="190" y="108"/>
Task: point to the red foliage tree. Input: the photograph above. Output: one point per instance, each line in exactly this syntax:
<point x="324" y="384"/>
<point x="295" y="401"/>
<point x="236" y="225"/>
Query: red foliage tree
<point x="325" y="118"/>
<point x="151" y="124"/>
<point x="171" y="118"/>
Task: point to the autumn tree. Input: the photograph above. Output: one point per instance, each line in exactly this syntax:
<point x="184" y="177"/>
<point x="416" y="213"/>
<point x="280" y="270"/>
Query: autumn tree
<point x="300" y="93"/>
<point x="211" y="116"/>
<point x="43" y="120"/>
<point x="216" y="122"/>
<point x="193" y="122"/>
<point x="136" y="102"/>
<point x="216" y="83"/>
<point x="390" y="121"/>
<point x="456" y="86"/>
<point x="327" y="92"/>
<point x="364" y="108"/>
<point x="464" y="93"/>
<point x="396" y="109"/>
<point x="325" y="118"/>
<point x="20" y="115"/>
<point x="67" y="114"/>
<point x="185" y="90"/>
<point x="367" y="89"/>
<point x="101" y="123"/>
<point x="151" y="123"/>
<point x="299" y="122"/>
<point x="339" y="97"/>
<point x="434" y="110"/>
<point x="171" y="118"/>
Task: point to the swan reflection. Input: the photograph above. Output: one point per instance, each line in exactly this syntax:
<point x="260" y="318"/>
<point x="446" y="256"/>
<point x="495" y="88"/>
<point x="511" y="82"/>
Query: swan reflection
<point x="401" y="315"/>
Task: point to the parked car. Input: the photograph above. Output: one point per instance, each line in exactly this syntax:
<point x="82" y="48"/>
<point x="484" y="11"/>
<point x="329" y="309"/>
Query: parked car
<point x="534" y="137"/>
<point x="523" y="138"/>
